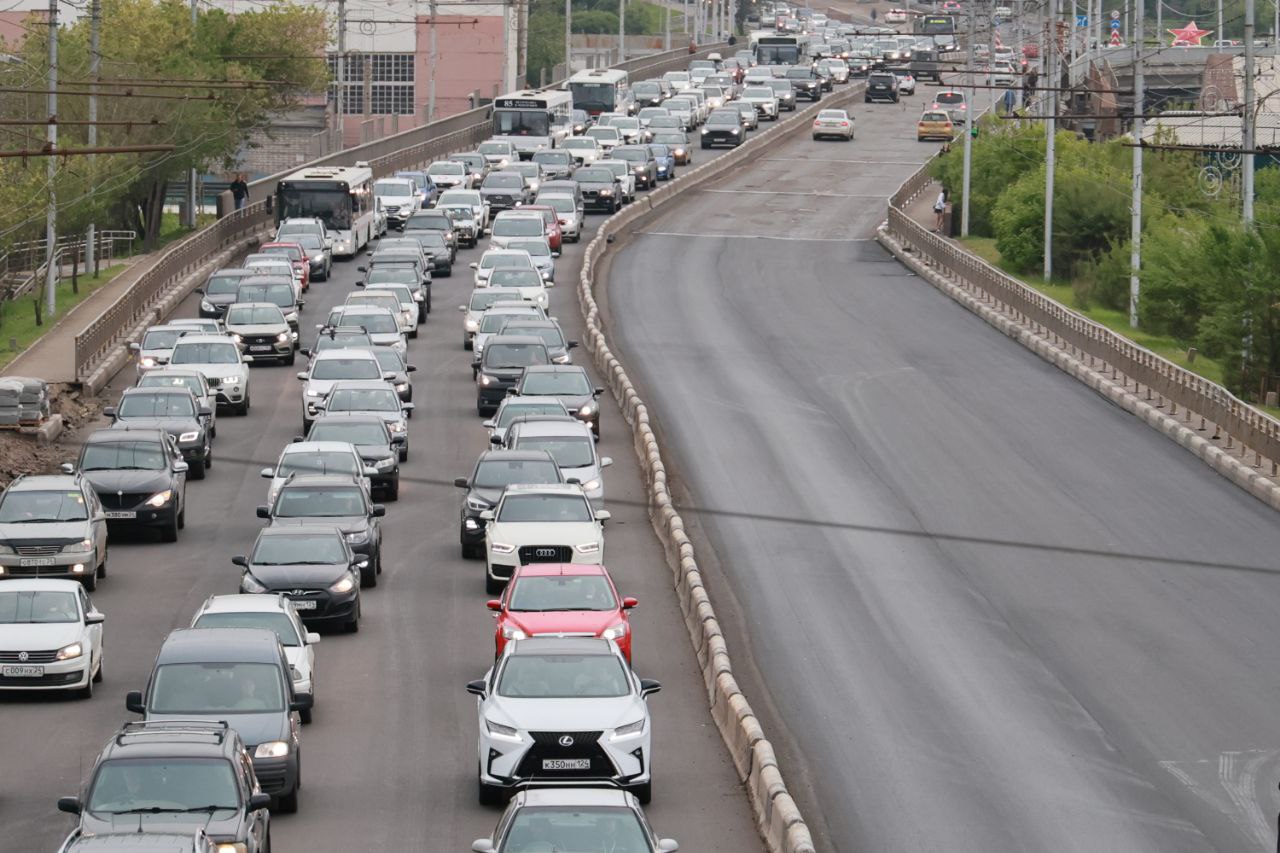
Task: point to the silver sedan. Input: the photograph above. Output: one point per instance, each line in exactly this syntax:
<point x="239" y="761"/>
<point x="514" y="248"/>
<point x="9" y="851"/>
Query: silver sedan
<point x="834" y="123"/>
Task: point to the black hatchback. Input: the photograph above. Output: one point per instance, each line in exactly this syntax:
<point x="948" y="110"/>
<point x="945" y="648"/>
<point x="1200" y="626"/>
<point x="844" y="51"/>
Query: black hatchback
<point x="140" y="477"/>
<point x="174" y="410"/>
<point x="881" y="86"/>
<point x="723" y="127"/>
<point x="312" y="566"/>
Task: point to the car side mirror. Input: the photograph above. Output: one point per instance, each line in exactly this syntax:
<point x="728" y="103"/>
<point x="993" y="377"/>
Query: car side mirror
<point x="328" y="241"/>
<point x="477" y="687"/>
<point x="135" y="347"/>
<point x="267" y="473"/>
<point x="379" y="511"/>
<point x="246" y="359"/>
<point x="474" y="265"/>
<point x="259" y="801"/>
<point x="71" y="805"/>
<point x="596" y="392"/>
<point x="482" y="845"/>
<point x="668" y="845"/>
<point x="180" y="467"/>
<point x="205" y="411"/>
<point x="109" y="411"/>
<point x="462" y="308"/>
<point x="606" y="461"/>
<point x="362" y="269"/>
<point x="410" y="368"/>
<point x="571" y="345"/>
<point x="603" y="515"/>
<point x="648" y="686"/>
<point x="312" y="638"/>
<point x="67" y="468"/>
<point x="486" y="515"/>
<point x="240" y="560"/>
<point x="360" y="283"/>
<point x="360" y="563"/>
<point x="297" y="439"/>
<point x="302" y="375"/>
<point x="93" y="617"/>
<point x="462" y="482"/>
<point x="306" y="351"/>
<point x="630" y="603"/>
<point x="370" y="472"/>
<point x="133" y="702"/>
<point x="494" y="604"/>
<point x="263" y="512"/>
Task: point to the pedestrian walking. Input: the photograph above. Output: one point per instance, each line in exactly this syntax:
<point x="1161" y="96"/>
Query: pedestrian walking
<point x="939" y="209"/>
<point x="239" y="190"/>
<point x="1008" y="101"/>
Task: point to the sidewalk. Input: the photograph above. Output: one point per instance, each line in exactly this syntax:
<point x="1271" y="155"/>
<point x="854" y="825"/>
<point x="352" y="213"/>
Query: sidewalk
<point x="52" y="357"/>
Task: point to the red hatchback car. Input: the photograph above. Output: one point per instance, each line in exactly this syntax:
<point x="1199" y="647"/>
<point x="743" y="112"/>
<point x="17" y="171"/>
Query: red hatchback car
<point x="562" y="599"/>
<point x="552" y="222"/>
<point x="297" y="256"/>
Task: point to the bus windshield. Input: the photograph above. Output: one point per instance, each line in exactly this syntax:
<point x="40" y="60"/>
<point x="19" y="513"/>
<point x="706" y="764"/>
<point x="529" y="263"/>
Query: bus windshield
<point x="331" y="206"/>
<point x="521" y="123"/>
<point x="593" y="97"/>
<point x="777" y="54"/>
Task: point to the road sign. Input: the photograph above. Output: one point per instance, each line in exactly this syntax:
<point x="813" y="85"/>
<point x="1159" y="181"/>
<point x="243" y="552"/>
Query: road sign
<point x="1115" y="39"/>
<point x="1082" y="20"/>
<point x="1115" y="25"/>
<point x="1115" y="16"/>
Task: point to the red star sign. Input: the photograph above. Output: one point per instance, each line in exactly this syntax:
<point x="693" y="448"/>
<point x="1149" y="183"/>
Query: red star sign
<point x="1188" y="36"/>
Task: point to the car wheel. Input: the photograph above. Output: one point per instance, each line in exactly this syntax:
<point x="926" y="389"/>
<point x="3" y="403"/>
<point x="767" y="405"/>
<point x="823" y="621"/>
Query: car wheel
<point x="378" y="562"/>
<point x="288" y="803"/>
<point x="208" y="455"/>
<point x="169" y="533"/>
<point x="196" y="469"/>
<point x="97" y="676"/>
<point x="305" y="717"/>
<point x="243" y="408"/>
<point x="470" y="551"/>
<point x="86" y="692"/>
<point x="404" y="454"/>
<point x="466" y="343"/>
<point x="492" y="585"/>
<point x="182" y="514"/>
<point x="643" y="793"/>
<point x="369" y="576"/>
<point x="353" y="627"/>
<point x="480" y="408"/>
<point x="289" y="359"/>
<point x="90" y="581"/>
<point x="491" y="795"/>
<point x="393" y="490"/>
<point x="101" y="571"/>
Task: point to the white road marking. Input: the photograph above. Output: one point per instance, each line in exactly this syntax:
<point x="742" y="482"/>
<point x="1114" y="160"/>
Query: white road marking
<point x="758" y="237"/>
<point x="916" y="163"/>
<point x="879" y="196"/>
<point x="1236" y="776"/>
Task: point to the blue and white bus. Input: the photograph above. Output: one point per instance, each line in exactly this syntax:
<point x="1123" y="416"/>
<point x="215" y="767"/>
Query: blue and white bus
<point x="339" y="196"/>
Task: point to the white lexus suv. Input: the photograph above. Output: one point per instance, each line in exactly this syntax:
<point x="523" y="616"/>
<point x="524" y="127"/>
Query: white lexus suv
<point x="552" y="523"/>
<point x="558" y="711"/>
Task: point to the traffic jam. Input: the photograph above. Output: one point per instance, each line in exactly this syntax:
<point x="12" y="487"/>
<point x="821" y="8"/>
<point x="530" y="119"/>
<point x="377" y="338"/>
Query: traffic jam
<point x="210" y="745"/>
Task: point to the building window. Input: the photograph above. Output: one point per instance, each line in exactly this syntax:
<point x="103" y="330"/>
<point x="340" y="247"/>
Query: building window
<point x="391" y="83"/>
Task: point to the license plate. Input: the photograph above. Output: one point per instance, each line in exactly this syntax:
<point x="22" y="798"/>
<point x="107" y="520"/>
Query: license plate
<point x="566" y="764"/>
<point x="36" y="561"/>
<point x="263" y="348"/>
<point x="304" y="605"/>
<point x="120" y="513"/>
<point x="22" y="671"/>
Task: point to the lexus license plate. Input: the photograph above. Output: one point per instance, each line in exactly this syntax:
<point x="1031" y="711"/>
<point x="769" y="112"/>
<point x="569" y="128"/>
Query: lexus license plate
<point x="36" y="561"/>
<point x="304" y="604"/>
<point x="120" y="513"/>
<point x="22" y="671"/>
<point x="566" y="764"/>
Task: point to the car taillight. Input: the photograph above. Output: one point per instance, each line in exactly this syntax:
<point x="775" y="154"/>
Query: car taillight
<point x="844" y="124"/>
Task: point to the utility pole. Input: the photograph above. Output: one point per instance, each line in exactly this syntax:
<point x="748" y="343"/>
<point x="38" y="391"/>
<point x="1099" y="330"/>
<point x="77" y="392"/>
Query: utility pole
<point x="1249" y="117"/>
<point x="522" y="43"/>
<point x="95" y="71"/>
<point x="666" y="40"/>
<point x="622" y="30"/>
<point x="340" y="101"/>
<point x="1219" y="34"/>
<point x="1051" y="112"/>
<point x="568" y="38"/>
<point x="192" y="215"/>
<point x="434" y="58"/>
<point x="968" y="119"/>
<point x="1135" y="227"/>
<point x="51" y="215"/>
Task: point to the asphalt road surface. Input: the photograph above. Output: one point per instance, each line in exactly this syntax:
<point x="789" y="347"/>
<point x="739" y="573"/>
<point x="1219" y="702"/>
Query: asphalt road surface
<point x="389" y="763"/>
<point x="988" y="610"/>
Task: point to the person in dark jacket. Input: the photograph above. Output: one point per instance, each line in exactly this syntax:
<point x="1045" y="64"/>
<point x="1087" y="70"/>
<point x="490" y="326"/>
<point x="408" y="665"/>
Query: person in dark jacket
<point x="239" y="190"/>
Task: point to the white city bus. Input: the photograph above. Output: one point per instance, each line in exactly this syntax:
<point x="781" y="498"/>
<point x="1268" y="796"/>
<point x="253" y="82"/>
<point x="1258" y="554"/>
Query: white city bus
<point x="533" y="120"/>
<point x="340" y="196"/>
<point x="601" y="90"/>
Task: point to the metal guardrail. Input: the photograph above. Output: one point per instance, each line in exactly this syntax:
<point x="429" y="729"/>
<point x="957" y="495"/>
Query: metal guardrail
<point x="399" y="151"/>
<point x="1251" y="427"/>
<point x="74" y="252"/>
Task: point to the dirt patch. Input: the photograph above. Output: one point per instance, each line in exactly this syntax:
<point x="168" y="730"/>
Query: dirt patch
<point x="23" y="454"/>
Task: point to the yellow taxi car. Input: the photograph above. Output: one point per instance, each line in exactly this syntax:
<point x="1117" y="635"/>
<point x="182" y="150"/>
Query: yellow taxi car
<point x="934" y="124"/>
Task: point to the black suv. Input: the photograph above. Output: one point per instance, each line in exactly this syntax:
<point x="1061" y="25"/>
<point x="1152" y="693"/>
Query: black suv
<point x="571" y="384"/>
<point x="723" y="127"/>
<point x="505" y="358"/>
<point x="641" y="161"/>
<point x="435" y="220"/>
<point x="805" y="82"/>
<point x="176" y="776"/>
<point x="881" y="86"/>
<point x="600" y="189"/>
<point x="494" y="471"/>
<point x="378" y="448"/>
<point x="312" y="565"/>
<point x="334" y="501"/>
<point x="177" y="412"/>
<point x="139" y="476"/>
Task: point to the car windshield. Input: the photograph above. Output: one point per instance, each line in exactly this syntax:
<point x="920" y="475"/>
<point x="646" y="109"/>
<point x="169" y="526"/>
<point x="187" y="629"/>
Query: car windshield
<point x="528" y="508"/>
<point x="659" y="150"/>
<point x="392" y="188"/>
<point x="511" y="411"/>
<point x="561" y="203"/>
<point x="604" y="133"/>
<point x="346" y="368"/>
<point x="494" y="259"/>
<point x="298" y="550"/>
<point x="428" y="222"/>
<point x="24" y="507"/>
<point x="326" y="502"/>
<point x="205" y="353"/>
<point x="676" y="139"/>
<point x="551" y="384"/>
<point x="517" y="226"/>
<point x="123" y="456"/>
<point x="162" y="338"/>
<point x="569" y="452"/>
<point x="374" y="322"/>
<point x="497" y="473"/>
<point x="393" y="275"/>
<point x="553" y="158"/>
<point x="39" y="607"/>
<point x="220" y="284"/>
<point x="309" y="242"/>
<point x="494" y="148"/>
<point x="540" y="593"/>
<point x="438" y="169"/>
<point x="597" y="174"/>
<point x="255" y="315"/>
<point x="949" y="98"/>
<point x="514" y="355"/>
<point x="723" y="119"/>
<point x="141" y="785"/>
<point x="536" y="247"/>
<point x="585" y="144"/>
<point x="360" y="432"/>
<point x="156" y="379"/>
<point x="563" y="677"/>
<point x="216" y="688"/>
<point x="501" y="180"/>
<point x="758" y="92"/>
<point x="401" y="292"/>
<point x="157" y="405"/>
<point x="631" y="156"/>
<point x="938" y="117"/>
<point x="492" y="323"/>
<point x="617" y="168"/>
<point x="515" y="278"/>
<point x="839" y="115"/>
<point x="318" y="462"/>
<point x="363" y="400"/>
<point x="344" y="339"/>
<point x="278" y="622"/>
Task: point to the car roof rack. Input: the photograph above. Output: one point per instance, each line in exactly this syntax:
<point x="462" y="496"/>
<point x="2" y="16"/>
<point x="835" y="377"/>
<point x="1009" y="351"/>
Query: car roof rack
<point x="215" y="731"/>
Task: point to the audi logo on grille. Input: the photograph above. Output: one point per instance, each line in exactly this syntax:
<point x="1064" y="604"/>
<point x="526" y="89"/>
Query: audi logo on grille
<point x="566" y="740"/>
<point x="547" y="552"/>
<point x="23" y="656"/>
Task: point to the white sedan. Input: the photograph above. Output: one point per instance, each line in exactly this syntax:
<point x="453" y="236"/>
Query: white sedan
<point x="50" y="636"/>
<point x="833" y="123"/>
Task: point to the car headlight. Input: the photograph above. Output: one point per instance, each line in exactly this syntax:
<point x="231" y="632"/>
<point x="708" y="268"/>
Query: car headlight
<point x="614" y="632"/>
<point x="231" y="847"/>
<point x="629" y="729"/>
<point x="606" y="192"/>
<point x="587" y="548"/>
<point x="477" y="505"/>
<point x="735" y="131"/>
<point x="705" y="131"/>
<point x="188" y="436"/>
<point x="283" y="337"/>
<point x="343" y="584"/>
<point x="471" y="325"/>
<point x="147" y="361"/>
<point x="84" y="546"/>
<point x="487" y="380"/>
<point x="236" y="338"/>
<point x="587" y="410"/>
<point x="448" y="235"/>
<point x="206" y="305"/>
<point x="396" y="426"/>
<point x="591" y="485"/>
<point x="358" y="536"/>
<point x="679" y="152"/>
<point x="401" y="387"/>
<point x="501" y="730"/>
<point x="74" y="650"/>
<point x="383" y="464"/>
<point x="159" y="499"/>
<point x="511" y="632"/>
<point x="231" y="377"/>
<point x="501" y="548"/>
<point x="271" y="749"/>
<point x="250" y="584"/>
